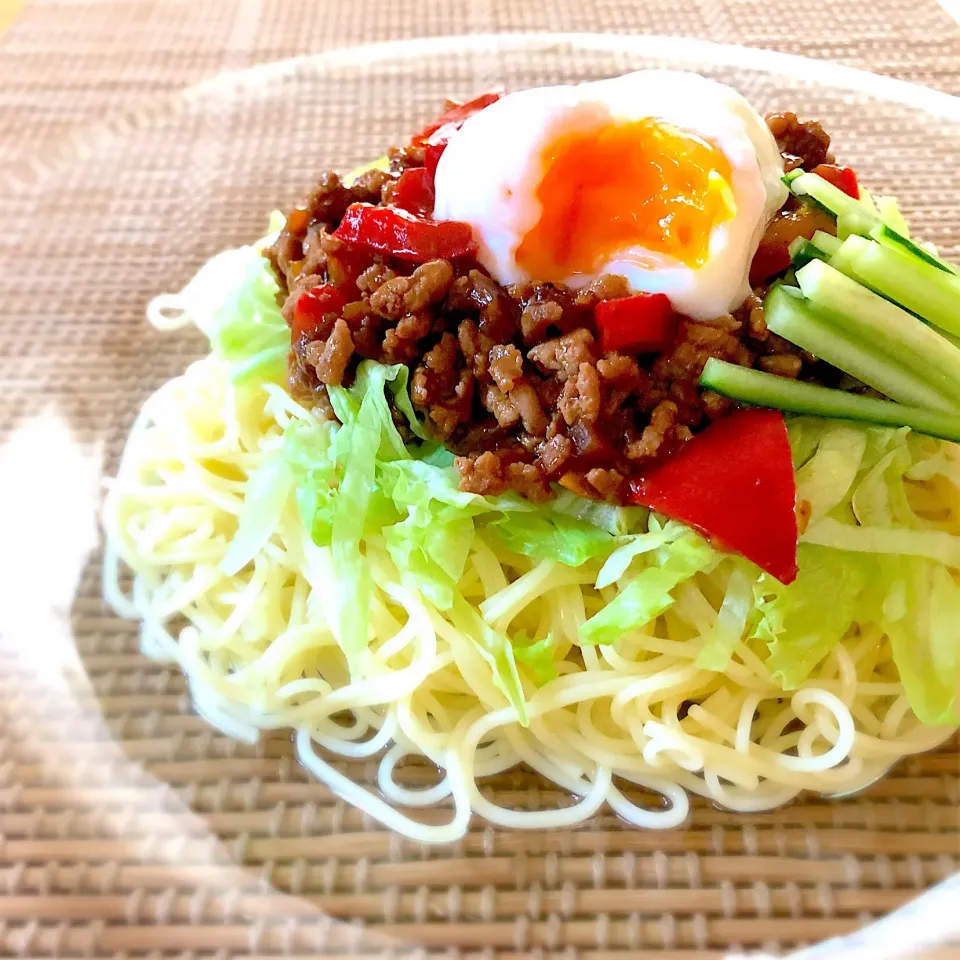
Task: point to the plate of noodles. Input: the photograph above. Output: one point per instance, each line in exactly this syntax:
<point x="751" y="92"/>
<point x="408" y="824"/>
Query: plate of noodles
<point x="605" y="428"/>
<point x="482" y="494"/>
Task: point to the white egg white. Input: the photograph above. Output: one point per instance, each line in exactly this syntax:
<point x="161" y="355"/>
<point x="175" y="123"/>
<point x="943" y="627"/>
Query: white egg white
<point x="489" y="174"/>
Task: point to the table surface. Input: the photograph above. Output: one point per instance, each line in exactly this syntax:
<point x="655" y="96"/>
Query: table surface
<point x="66" y="63"/>
<point x="121" y="867"/>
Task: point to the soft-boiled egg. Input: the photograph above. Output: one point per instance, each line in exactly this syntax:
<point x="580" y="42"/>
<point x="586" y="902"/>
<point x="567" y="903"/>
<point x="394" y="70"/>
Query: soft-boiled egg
<point x="665" y="178"/>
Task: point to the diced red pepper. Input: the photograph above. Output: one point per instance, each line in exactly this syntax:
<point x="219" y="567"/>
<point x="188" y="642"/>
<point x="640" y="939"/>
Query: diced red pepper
<point x="769" y="260"/>
<point x="403" y="235"/>
<point x="455" y="116"/>
<point x="641" y="324"/>
<point x="432" y="155"/>
<point x="735" y="484"/>
<point x="843" y="178"/>
<point x="414" y="191"/>
<point x="312" y="306"/>
<point x="773" y="252"/>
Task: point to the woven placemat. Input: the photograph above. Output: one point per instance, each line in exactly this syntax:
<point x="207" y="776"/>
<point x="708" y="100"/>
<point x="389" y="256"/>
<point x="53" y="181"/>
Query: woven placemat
<point x="127" y="826"/>
<point x="64" y="63"/>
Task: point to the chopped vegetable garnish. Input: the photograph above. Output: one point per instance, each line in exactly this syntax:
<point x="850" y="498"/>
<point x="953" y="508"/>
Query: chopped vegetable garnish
<point x="403" y="235"/>
<point x="432" y="155"/>
<point x="923" y="288"/>
<point x="455" y="116"/>
<point x="773" y="253"/>
<point x="639" y="324"/>
<point x="312" y="306"/>
<point x="843" y="178"/>
<point x="841" y="340"/>
<point x="887" y="236"/>
<point x="735" y="483"/>
<point x="830" y="196"/>
<point x="885" y="327"/>
<point x="414" y="191"/>
<point x="821" y="246"/>
<point x="768" y="390"/>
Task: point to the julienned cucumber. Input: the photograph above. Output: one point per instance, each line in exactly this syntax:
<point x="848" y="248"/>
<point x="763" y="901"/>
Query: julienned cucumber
<point x="793" y="396"/>
<point x="795" y="319"/>
<point x="826" y="242"/>
<point x="832" y="198"/>
<point x="821" y="246"/>
<point x="883" y="326"/>
<point x="862" y="217"/>
<point x="925" y="290"/>
<point x="802" y="251"/>
<point x="887" y="237"/>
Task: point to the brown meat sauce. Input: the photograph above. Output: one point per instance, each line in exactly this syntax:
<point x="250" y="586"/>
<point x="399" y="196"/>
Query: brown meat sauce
<point x="513" y="378"/>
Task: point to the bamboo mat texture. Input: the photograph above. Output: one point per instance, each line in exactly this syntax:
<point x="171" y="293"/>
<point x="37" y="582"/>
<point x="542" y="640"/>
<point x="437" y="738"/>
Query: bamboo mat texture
<point x="135" y="142"/>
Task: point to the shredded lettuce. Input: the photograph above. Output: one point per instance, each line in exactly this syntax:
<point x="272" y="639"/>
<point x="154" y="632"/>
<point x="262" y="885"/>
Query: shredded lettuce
<point x="825" y="479"/>
<point x="873" y="559"/>
<point x="801" y="622"/>
<point x="551" y="536"/>
<point x="935" y="545"/>
<point x="356" y="448"/>
<point x="537" y="657"/>
<point x="401" y="399"/>
<point x="617" y="521"/>
<point x="804" y="434"/>
<point x="233" y="300"/>
<point x="307" y="449"/>
<point x="648" y="595"/>
<point x="915" y="601"/>
<point x="656" y="536"/>
<point x="921" y="617"/>
<point x="409" y="482"/>
<point x="867" y="557"/>
<point x="496" y="649"/>
<point x="268" y="489"/>
<point x="430" y="548"/>
<point x="735" y="612"/>
<point x="880" y="498"/>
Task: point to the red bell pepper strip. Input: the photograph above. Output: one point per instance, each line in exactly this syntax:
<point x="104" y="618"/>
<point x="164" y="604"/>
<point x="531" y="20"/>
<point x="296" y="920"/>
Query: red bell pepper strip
<point x="312" y="306"/>
<point x="641" y="324"/>
<point x="414" y="191"/>
<point x="432" y="155"/>
<point x="735" y="484"/>
<point x="455" y="116"/>
<point x="403" y="235"/>
<point x="843" y="178"/>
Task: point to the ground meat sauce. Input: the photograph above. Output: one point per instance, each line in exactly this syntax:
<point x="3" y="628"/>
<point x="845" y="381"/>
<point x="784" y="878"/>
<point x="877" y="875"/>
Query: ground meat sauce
<point x="513" y="379"/>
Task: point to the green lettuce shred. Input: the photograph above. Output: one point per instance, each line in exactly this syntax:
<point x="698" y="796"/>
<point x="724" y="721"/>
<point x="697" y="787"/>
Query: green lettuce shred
<point x="496" y="649"/>
<point x="538" y="657"/>
<point x="266" y="494"/>
<point x="735" y="612"/>
<point x="233" y="300"/>
<point x="648" y="595"/>
<point x="867" y="557"/>
<point x="800" y="623"/>
<point x="921" y="617"/>
<point x="552" y="536"/>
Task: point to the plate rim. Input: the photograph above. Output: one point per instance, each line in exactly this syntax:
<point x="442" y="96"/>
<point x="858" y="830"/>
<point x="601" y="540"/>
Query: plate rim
<point x="27" y="172"/>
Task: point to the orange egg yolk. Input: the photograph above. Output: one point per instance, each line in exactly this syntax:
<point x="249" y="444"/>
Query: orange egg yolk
<point x="640" y="184"/>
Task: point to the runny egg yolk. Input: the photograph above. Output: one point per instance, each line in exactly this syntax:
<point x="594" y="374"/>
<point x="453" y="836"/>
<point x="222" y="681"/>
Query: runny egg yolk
<point x="643" y="184"/>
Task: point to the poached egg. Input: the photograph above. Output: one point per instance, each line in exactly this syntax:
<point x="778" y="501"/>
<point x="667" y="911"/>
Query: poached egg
<point x="665" y="178"/>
